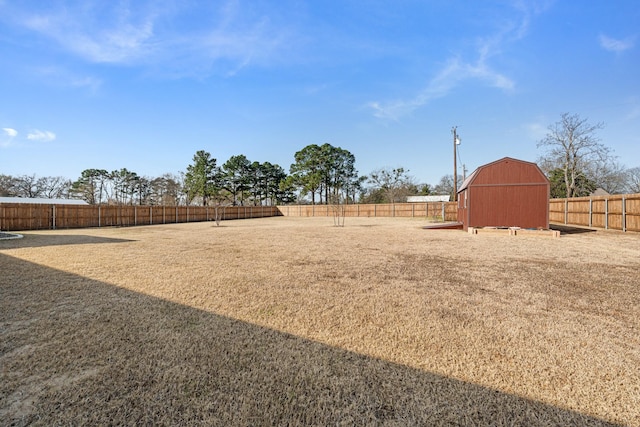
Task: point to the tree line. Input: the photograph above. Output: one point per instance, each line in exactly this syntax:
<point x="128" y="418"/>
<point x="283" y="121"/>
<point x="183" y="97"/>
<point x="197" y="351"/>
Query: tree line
<point x="320" y="174"/>
<point x="575" y="161"/>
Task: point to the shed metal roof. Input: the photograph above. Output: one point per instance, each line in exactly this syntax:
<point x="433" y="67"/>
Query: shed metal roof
<point x="431" y="198"/>
<point x="467" y="182"/>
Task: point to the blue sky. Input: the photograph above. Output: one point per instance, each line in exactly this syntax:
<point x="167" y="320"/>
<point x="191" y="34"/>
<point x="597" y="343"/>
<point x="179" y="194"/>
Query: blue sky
<point x="143" y="84"/>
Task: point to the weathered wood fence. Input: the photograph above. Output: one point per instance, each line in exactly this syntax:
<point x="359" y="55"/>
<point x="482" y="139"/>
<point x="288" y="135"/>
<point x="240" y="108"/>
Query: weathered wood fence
<point x="613" y="212"/>
<point x="19" y="216"/>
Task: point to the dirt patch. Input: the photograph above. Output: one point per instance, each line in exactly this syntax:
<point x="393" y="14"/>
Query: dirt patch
<point x="294" y="321"/>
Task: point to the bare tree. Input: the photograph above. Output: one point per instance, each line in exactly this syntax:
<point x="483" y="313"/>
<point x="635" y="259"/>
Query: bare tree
<point x="394" y="183"/>
<point x="53" y="187"/>
<point x="338" y="208"/>
<point x="573" y="147"/>
<point x="219" y="199"/>
<point x="26" y="186"/>
<point x="165" y="190"/>
<point x="609" y="174"/>
<point x="633" y="180"/>
<point x="445" y="186"/>
<point x="7" y="186"/>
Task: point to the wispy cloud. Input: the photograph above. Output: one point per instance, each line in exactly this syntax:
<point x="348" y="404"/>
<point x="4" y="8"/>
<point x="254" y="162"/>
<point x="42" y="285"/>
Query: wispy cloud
<point x="60" y="76"/>
<point x="457" y="69"/>
<point x="98" y="34"/>
<point x="616" y="45"/>
<point x="43" y="136"/>
<point x="179" y="38"/>
<point x="8" y="134"/>
<point x="451" y="75"/>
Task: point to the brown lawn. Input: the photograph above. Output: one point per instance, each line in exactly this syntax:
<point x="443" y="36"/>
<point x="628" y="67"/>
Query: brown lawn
<point x="291" y="321"/>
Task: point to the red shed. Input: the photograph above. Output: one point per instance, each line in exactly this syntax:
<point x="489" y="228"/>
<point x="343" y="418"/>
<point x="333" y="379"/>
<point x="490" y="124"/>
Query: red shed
<point x="505" y="193"/>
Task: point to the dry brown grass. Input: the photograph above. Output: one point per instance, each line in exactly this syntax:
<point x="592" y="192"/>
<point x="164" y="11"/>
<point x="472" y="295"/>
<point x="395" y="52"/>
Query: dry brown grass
<point x="291" y="321"/>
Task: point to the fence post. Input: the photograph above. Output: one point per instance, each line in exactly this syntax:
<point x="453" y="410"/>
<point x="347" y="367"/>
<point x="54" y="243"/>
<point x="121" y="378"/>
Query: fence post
<point x="443" y="212"/>
<point x="135" y="215"/>
<point x="150" y="215"/>
<point x="54" y="216"/>
<point x="566" y="210"/>
<point x="624" y="214"/>
<point x="99" y="216"/>
<point x="590" y="212"/>
<point x="606" y="213"/>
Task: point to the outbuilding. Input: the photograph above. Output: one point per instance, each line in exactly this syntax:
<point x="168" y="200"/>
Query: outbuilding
<point x="505" y="193"/>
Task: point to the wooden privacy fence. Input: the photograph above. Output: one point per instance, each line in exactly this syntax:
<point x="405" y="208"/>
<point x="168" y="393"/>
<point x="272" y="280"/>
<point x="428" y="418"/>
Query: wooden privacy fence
<point x="442" y="210"/>
<point x="617" y="212"/>
<point x="22" y="216"/>
<point x="614" y="212"/>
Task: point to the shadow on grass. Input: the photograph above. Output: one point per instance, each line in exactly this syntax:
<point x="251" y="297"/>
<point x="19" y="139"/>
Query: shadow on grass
<point x="79" y="351"/>
<point x="568" y="229"/>
<point x="31" y="240"/>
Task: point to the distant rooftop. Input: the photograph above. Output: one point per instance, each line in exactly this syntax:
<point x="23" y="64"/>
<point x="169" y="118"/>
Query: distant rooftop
<point x="42" y="201"/>
<point x="422" y="199"/>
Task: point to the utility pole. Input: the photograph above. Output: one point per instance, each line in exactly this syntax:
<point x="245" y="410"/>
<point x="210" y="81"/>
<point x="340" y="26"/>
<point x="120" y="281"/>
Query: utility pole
<point x="456" y="141"/>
